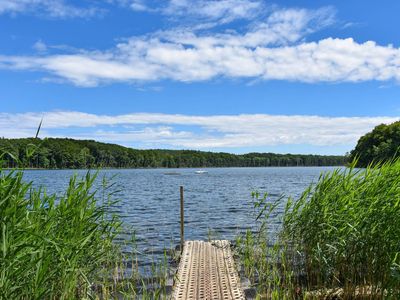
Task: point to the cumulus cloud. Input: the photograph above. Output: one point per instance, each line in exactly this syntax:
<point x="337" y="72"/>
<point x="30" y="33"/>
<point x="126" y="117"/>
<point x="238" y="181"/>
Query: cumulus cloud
<point x="273" y="49"/>
<point x="197" y="58"/>
<point x="217" y="131"/>
<point x="51" y="8"/>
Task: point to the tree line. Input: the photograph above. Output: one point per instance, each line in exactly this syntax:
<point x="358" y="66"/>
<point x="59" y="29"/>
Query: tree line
<point x="64" y="153"/>
<point x="379" y="145"/>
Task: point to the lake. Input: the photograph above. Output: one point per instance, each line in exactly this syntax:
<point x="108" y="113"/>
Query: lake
<point x="218" y="204"/>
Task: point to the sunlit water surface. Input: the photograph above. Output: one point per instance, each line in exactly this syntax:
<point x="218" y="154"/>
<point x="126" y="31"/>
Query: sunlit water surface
<point x="217" y="203"/>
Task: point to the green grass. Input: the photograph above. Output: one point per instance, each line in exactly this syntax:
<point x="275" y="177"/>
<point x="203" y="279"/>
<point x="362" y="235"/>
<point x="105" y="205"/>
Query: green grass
<point x="340" y="239"/>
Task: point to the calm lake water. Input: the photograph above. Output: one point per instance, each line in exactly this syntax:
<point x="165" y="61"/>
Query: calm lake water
<point x="217" y="203"/>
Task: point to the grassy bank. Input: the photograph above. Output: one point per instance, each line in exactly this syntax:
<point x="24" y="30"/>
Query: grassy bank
<point x="65" y="247"/>
<point x="340" y="240"/>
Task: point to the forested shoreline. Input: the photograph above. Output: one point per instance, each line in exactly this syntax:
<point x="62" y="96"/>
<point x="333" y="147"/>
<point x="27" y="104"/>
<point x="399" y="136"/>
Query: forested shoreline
<point x="380" y="145"/>
<point x="64" y="153"/>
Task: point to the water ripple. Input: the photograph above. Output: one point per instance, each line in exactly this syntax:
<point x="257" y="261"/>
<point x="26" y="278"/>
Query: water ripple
<point x="217" y="204"/>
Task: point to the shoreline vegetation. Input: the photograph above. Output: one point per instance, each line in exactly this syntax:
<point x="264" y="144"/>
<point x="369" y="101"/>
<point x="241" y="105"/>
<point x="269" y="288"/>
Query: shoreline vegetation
<point x="63" y="153"/>
<point x="379" y="145"/>
<point x="339" y="240"/>
<point x="68" y="246"/>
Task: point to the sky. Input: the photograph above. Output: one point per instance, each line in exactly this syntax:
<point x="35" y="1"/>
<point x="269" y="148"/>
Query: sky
<point x="229" y="75"/>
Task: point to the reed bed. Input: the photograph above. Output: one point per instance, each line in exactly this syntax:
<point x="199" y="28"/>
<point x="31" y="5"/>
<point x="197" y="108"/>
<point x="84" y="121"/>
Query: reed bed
<point x="64" y="247"/>
<point x="339" y="240"/>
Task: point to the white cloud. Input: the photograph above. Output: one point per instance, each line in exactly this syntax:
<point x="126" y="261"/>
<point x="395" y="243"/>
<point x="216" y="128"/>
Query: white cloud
<point x="221" y="11"/>
<point x="138" y="5"/>
<point x="273" y="49"/>
<point x="218" y="131"/>
<point x="39" y="46"/>
<point x="218" y="11"/>
<point x="208" y="57"/>
<point x="51" y="8"/>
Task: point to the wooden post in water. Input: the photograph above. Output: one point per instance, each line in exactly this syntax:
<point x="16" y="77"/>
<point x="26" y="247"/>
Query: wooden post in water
<point x="182" y="221"/>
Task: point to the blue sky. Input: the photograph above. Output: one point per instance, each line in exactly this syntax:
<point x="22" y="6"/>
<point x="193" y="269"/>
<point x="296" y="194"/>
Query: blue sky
<point x="227" y="75"/>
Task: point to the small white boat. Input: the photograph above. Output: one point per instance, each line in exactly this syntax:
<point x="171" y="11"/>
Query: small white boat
<point x="201" y="171"/>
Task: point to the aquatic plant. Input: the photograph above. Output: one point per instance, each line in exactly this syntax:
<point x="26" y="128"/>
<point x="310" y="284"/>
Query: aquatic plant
<point x="65" y="247"/>
<point x="52" y="247"/>
<point x="339" y="240"/>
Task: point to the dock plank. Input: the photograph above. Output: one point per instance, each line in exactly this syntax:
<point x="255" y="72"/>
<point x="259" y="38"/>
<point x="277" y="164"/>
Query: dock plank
<point x="207" y="271"/>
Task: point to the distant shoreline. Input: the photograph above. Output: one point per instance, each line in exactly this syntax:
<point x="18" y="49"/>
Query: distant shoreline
<point x="63" y="153"/>
<point x="185" y="168"/>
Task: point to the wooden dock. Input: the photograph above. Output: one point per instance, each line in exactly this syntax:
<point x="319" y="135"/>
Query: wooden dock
<point x="207" y="271"/>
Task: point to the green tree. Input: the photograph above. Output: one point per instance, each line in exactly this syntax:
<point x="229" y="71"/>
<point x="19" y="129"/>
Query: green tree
<point x="379" y="145"/>
<point x="59" y="153"/>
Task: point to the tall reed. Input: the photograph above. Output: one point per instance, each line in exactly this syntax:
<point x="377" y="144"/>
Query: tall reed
<point x="52" y="247"/>
<point x="339" y="240"/>
<point x="66" y="246"/>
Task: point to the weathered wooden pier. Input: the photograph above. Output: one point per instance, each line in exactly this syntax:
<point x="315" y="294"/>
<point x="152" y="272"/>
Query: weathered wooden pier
<point x="206" y="270"/>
